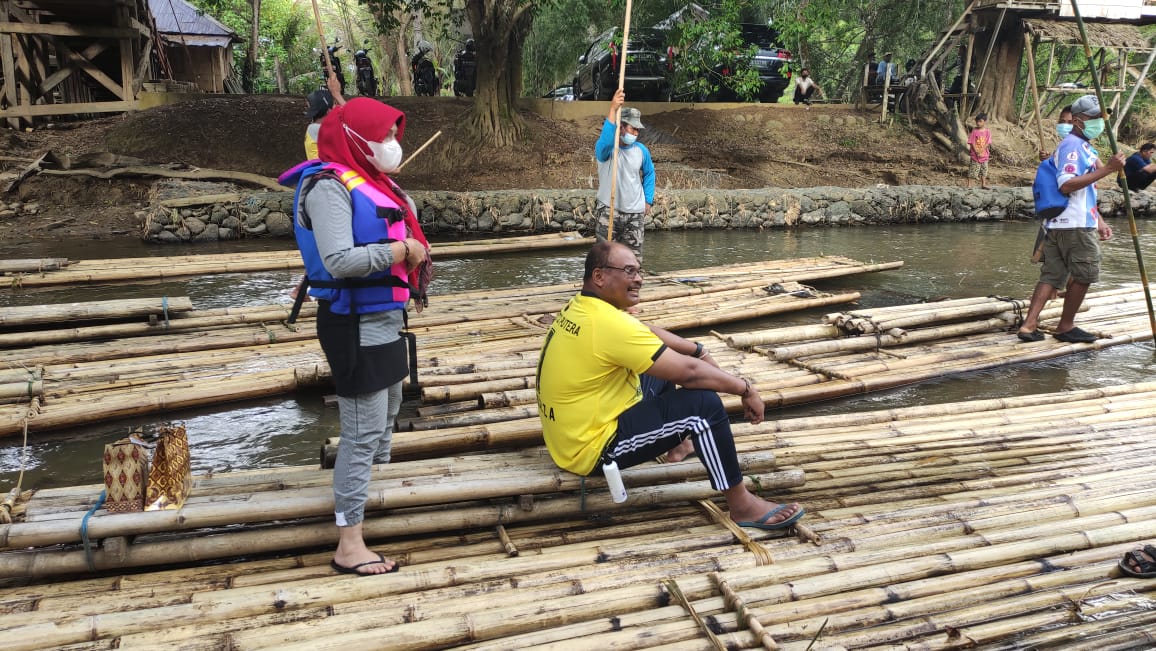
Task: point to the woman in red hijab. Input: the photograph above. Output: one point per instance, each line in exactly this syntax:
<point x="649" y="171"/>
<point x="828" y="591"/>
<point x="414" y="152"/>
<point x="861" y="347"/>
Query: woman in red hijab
<point x="359" y="237"/>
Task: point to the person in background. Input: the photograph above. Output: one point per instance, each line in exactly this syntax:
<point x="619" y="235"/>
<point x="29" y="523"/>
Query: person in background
<point x="607" y="395"/>
<point x="884" y="70"/>
<point x="1139" y="168"/>
<point x="320" y="101"/>
<point x="979" y="148"/>
<point x="1071" y="248"/>
<point x="1063" y="127"/>
<point x="805" y="87"/>
<point x="362" y="245"/>
<point x="634" y="185"/>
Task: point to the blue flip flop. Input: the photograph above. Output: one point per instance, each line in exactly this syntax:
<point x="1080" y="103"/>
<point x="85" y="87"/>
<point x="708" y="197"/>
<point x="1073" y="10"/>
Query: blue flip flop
<point x="761" y="523"/>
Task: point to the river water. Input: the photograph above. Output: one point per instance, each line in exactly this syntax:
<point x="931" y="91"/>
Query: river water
<point x="940" y="260"/>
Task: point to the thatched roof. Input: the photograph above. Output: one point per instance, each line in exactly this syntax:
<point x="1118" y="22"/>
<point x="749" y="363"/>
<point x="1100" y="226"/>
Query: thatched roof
<point x="1114" y="35"/>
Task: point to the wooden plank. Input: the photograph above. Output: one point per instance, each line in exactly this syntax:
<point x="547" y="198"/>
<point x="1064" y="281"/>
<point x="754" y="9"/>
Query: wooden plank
<point x="84" y="64"/>
<point x="57" y="29"/>
<point x="67" y="109"/>
<point x="56" y="78"/>
<point x="8" y="67"/>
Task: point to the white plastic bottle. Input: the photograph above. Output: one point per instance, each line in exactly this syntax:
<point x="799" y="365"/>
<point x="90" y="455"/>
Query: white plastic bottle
<point x="614" y="482"/>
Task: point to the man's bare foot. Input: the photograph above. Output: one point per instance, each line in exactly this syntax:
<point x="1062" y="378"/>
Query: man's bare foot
<point x="681" y="451"/>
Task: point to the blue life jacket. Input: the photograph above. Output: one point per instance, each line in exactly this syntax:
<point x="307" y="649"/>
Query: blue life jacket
<point x="376" y="219"/>
<point x="1050" y="202"/>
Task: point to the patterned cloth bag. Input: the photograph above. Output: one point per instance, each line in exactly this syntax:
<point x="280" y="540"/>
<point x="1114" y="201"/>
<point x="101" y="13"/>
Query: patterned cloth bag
<point x="170" y="479"/>
<point x="126" y="467"/>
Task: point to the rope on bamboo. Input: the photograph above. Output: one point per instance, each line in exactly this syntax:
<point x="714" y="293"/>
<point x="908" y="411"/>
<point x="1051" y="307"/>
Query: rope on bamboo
<point x="6" y="506"/>
<point x="84" y="531"/>
<point x="1017" y="308"/>
<point x="672" y="587"/>
<point x="507" y="544"/>
<point x="762" y="556"/>
<point x="734" y="602"/>
<point x="165" y="310"/>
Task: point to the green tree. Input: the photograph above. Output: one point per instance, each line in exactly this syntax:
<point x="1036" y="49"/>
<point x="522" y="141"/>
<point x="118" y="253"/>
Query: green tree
<point x="835" y="38"/>
<point x="499" y="29"/>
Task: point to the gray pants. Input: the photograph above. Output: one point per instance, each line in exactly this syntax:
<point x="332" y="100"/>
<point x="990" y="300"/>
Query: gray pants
<point x="627" y="228"/>
<point x="366" y="435"/>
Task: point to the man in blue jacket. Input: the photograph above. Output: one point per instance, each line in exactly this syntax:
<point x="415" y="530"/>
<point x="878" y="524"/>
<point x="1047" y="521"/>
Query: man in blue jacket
<point x="634" y="185"/>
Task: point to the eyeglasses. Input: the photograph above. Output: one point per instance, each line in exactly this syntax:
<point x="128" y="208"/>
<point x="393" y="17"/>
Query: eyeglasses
<point x="629" y="270"/>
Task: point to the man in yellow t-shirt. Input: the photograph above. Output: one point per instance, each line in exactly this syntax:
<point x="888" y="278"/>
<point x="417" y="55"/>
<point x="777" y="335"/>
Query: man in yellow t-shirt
<point x="607" y="391"/>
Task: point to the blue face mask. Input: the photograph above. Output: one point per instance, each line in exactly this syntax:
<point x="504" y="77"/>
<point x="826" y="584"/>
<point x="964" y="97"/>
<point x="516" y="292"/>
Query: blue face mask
<point x="1063" y="130"/>
<point x="628" y="139"/>
<point x="1093" y="128"/>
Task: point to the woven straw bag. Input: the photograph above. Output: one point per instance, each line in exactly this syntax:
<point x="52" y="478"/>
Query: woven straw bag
<point x="126" y="467"/>
<point x="170" y="479"/>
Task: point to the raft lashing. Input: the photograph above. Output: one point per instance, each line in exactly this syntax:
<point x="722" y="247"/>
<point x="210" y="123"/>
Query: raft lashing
<point x="990" y="523"/>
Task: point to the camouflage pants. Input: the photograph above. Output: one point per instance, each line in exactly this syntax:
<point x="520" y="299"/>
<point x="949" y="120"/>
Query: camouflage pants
<point x="627" y="228"/>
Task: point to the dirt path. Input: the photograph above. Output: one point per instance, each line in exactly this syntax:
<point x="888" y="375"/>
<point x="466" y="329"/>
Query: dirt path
<point x="748" y="147"/>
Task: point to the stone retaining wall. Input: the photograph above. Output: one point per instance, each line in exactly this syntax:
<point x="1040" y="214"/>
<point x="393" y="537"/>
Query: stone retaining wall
<point x="230" y="216"/>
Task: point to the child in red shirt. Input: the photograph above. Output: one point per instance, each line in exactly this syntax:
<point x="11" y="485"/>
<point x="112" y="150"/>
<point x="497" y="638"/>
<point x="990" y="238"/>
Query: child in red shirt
<point x="979" y="146"/>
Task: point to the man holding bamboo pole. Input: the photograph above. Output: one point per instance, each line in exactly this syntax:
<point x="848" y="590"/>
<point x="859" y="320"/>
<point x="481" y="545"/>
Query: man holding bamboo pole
<point x="1071" y="246"/>
<point x="633" y="179"/>
<point x="607" y="397"/>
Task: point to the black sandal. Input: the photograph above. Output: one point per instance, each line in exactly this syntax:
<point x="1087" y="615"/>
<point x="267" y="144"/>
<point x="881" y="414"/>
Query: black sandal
<point x="1147" y="566"/>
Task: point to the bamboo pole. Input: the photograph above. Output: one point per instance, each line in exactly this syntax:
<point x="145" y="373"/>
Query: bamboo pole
<point x="95" y="310"/>
<point x="618" y="123"/>
<point x="225" y="544"/>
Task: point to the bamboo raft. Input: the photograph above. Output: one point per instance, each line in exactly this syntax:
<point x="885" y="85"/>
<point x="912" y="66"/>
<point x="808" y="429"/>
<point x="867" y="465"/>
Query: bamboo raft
<point x="91" y="373"/>
<point x="841" y="357"/>
<point x="17" y="274"/>
<point x="994" y="524"/>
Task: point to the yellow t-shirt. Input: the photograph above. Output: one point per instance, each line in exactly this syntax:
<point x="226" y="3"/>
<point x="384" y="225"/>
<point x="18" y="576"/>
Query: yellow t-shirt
<point x="587" y="375"/>
<point x="310" y="147"/>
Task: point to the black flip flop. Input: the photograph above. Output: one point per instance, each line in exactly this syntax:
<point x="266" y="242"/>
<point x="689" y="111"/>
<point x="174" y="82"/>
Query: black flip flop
<point x="1147" y="568"/>
<point x="354" y="568"/>
<point x="1075" y="336"/>
<point x="1030" y="337"/>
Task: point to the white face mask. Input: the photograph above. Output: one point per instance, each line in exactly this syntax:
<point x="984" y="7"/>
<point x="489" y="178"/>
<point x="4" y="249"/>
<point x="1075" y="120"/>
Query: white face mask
<point x="385" y="155"/>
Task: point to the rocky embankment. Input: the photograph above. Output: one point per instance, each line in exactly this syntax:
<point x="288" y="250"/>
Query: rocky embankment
<point x="236" y="215"/>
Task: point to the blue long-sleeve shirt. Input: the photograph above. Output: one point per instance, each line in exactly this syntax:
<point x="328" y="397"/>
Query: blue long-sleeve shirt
<point x="635" y="185"/>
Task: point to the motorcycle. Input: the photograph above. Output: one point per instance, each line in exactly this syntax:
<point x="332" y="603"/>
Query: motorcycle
<point x="425" y="77"/>
<point x="466" y="70"/>
<point x="366" y="80"/>
<point x="336" y="67"/>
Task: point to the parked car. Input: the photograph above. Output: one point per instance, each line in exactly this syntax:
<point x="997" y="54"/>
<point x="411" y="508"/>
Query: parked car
<point x="560" y="94"/>
<point x="770" y="61"/>
<point x="647" y="71"/>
